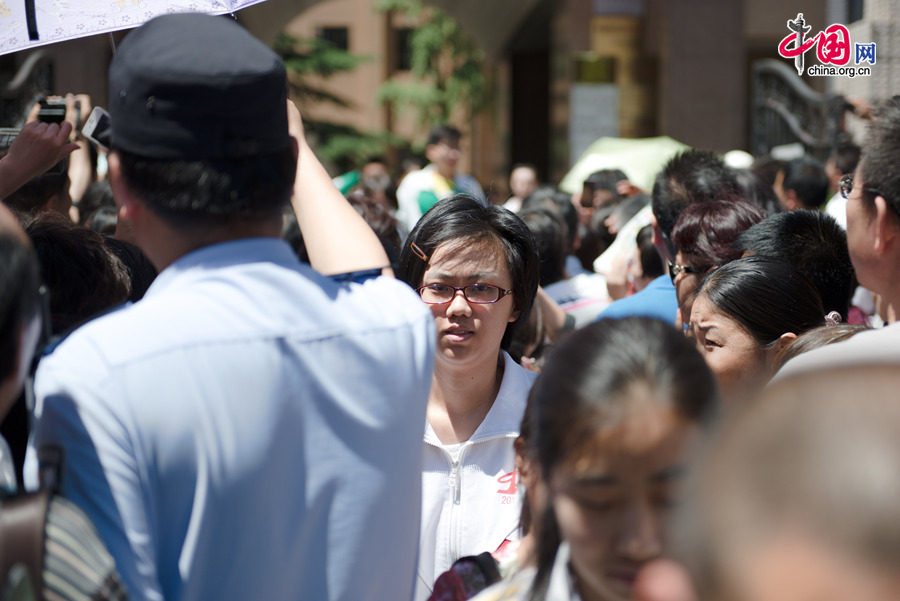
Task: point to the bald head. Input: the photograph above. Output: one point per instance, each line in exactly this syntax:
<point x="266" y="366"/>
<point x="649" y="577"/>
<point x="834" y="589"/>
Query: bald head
<point x="811" y="472"/>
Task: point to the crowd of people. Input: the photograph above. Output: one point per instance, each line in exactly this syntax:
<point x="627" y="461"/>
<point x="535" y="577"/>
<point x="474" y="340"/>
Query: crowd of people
<point x="243" y="379"/>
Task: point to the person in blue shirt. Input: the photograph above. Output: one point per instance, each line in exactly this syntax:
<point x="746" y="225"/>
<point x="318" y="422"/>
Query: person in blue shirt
<point x="690" y="176"/>
<point x="232" y="435"/>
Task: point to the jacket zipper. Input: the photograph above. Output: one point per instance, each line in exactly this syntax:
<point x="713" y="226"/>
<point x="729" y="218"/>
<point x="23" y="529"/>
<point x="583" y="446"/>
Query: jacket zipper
<point x="456" y="498"/>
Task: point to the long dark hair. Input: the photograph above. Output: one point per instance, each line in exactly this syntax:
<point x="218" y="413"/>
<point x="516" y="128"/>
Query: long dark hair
<point x="461" y="217"/>
<point x="585" y="387"/>
<point x="765" y="296"/>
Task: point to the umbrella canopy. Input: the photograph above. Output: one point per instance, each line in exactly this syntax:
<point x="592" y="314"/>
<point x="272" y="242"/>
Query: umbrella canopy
<point x="30" y="23"/>
<point x="641" y="159"/>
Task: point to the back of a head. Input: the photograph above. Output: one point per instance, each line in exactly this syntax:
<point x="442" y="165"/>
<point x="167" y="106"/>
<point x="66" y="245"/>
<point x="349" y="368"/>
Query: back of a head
<point x="815" y="460"/>
<point x="550" y="236"/>
<point x="47" y="191"/>
<point x="380" y="220"/>
<point x="462" y="218"/>
<point x="548" y="197"/>
<point x="756" y="191"/>
<point x="845" y="157"/>
<point x="606" y="180"/>
<point x="765" y="296"/>
<point x="881" y="155"/>
<point x="651" y="262"/>
<point x="202" y="136"/>
<point x="19" y="302"/>
<point x="707" y="230"/>
<point x="814" y="244"/>
<point x="98" y="195"/>
<point x="689" y="177"/>
<point x="806" y="177"/>
<point x="83" y="276"/>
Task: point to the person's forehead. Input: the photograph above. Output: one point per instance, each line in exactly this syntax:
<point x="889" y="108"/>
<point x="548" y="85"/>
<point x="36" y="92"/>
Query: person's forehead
<point x="466" y="257"/>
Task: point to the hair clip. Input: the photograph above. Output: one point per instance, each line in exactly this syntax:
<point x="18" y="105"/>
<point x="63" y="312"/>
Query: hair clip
<point x="833" y="318"/>
<point x="418" y="251"/>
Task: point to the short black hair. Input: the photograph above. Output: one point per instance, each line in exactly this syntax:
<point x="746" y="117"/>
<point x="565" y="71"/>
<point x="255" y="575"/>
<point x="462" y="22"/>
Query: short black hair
<point x="606" y="179"/>
<point x="19" y="296"/>
<point x="756" y="191"/>
<point x="443" y="133"/>
<point x="548" y="197"/>
<point x="806" y="177"/>
<point x="882" y="155"/>
<point x="83" y="276"/>
<point x="98" y="195"/>
<point x="200" y="192"/>
<point x="690" y="176"/>
<point x="461" y="217"/>
<point x="651" y="262"/>
<point x="549" y="233"/>
<point x="814" y="244"/>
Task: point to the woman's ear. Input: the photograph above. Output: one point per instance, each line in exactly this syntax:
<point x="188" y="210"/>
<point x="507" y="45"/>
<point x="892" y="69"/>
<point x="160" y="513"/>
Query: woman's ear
<point x="779" y="345"/>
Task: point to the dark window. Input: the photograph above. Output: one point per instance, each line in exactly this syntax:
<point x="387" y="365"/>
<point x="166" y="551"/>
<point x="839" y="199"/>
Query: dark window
<point x="854" y="10"/>
<point x="336" y="36"/>
<point x="403" y="48"/>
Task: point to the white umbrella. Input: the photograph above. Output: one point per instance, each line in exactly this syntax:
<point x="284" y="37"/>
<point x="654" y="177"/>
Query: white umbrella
<point x="27" y="24"/>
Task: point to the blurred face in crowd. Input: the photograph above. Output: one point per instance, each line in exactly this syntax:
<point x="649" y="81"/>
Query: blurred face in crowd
<point x="690" y="271"/>
<point x="445" y="156"/>
<point x="612" y="498"/>
<point x="738" y="361"/>
<point x="470" y="332"/>
<point x="522" y="182"/>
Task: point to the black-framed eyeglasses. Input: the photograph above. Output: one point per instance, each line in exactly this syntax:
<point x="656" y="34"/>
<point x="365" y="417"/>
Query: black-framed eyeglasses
<point x="480" y="294"/>
<point x="846" y="187"/>
<point x="675" y="269"/>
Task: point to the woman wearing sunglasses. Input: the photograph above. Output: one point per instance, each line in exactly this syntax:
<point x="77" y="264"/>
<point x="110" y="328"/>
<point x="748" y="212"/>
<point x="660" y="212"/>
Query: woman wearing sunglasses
<point x="477" y="268"/>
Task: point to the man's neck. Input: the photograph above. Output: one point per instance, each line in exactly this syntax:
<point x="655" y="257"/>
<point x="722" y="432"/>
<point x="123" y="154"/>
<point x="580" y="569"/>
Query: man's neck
<point x="164" y="244"/>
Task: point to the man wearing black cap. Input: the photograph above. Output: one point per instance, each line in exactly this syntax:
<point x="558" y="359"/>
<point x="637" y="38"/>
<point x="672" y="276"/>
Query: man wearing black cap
<point x="248" y="430"/>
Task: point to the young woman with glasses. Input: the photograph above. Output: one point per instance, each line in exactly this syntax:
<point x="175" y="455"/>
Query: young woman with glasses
<point x="477" y="268"/>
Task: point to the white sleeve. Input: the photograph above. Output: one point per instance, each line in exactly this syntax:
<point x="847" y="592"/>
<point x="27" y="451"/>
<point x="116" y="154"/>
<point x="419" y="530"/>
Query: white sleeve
<point x="408" y="212"/>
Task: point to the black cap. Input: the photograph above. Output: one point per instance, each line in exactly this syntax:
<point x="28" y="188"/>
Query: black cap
<point x="193" y="86"/>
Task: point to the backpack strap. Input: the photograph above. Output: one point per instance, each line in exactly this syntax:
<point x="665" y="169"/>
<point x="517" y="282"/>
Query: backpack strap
<point x="22" y="524"/>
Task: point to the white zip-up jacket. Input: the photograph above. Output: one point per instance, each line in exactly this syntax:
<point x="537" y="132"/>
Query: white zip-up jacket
<point x="472" y="505"/>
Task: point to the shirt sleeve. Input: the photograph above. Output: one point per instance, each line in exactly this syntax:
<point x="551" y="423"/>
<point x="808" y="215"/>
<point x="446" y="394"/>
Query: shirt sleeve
<point x="100" y="473"/>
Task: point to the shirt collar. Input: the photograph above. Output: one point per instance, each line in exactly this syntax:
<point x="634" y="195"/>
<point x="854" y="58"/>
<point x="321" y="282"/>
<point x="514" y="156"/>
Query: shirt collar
<point x="223" y="254"/>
